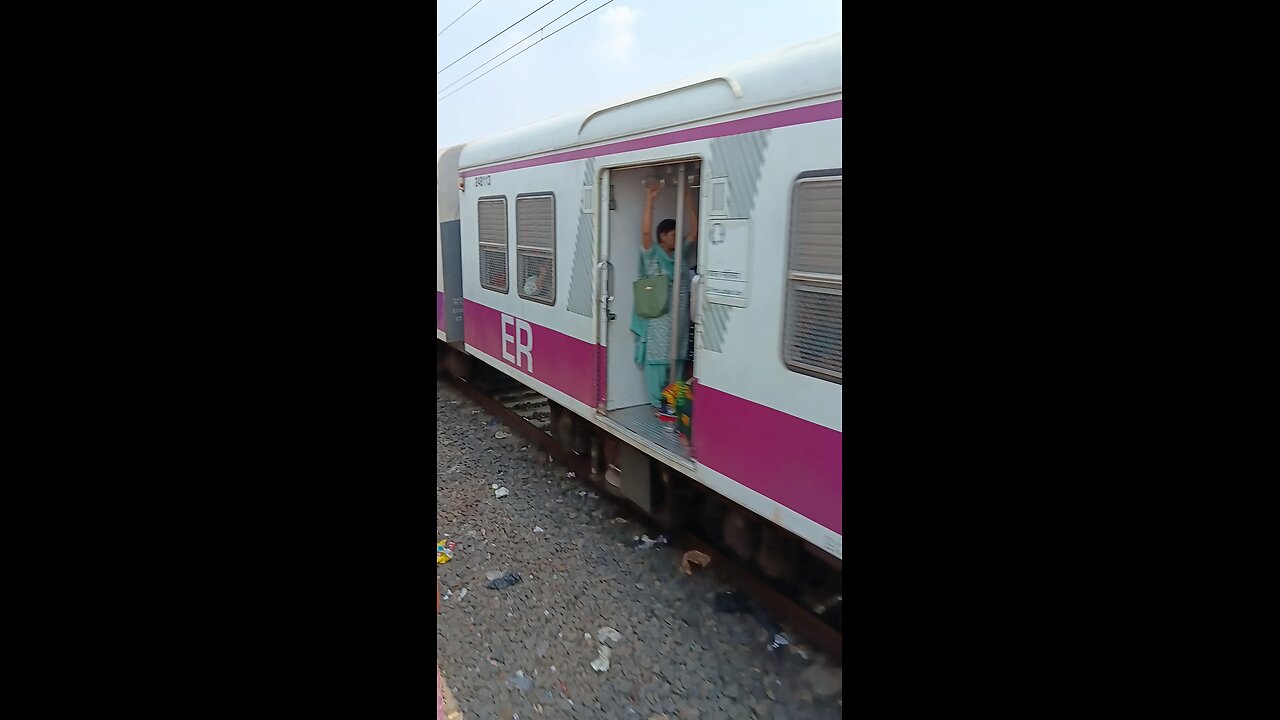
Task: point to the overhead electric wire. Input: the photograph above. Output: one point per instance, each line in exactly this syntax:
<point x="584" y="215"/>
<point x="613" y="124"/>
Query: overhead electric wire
<point x="495" y="57"/>
<point x="486" y="42"/>
<point x="446" y="27"/>
<point x="513" y="57"/>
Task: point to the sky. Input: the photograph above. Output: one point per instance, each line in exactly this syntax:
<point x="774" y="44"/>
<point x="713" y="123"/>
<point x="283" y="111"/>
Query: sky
<point x="625" y="48"/>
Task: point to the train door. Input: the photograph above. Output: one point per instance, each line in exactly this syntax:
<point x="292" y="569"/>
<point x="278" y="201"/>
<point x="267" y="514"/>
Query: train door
<point x="632" y="370"/>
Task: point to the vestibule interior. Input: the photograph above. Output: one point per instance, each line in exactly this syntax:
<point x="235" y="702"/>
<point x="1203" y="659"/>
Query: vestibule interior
<point x="627" y="197"/>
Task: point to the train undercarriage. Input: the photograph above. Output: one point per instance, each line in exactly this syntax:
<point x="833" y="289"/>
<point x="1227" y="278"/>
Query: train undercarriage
<point x="674" y="501"/>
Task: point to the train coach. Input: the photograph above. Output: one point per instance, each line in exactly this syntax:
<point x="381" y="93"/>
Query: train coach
<point x="540" y="242"/>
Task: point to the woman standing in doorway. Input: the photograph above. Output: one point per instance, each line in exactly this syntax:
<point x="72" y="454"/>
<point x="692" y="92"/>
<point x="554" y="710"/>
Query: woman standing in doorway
<point x="657" y="257"/>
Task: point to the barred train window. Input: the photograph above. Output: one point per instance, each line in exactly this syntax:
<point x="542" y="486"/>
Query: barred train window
<point x="813" y="332"/>
<point x="492" y="213"/>
<point x="536" y="247"/>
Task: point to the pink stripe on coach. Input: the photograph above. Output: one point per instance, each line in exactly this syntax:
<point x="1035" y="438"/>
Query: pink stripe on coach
<point x="561" y="361"/>
<point x="791" y="461"/>
<point x="782" y="118"/>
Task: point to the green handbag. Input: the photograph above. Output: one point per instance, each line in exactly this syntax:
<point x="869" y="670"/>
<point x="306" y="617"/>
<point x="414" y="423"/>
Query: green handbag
<point x="652" y="296"/>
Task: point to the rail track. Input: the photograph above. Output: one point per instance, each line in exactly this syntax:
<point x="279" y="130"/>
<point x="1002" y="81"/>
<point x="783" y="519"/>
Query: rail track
<point x="532" y="417"/>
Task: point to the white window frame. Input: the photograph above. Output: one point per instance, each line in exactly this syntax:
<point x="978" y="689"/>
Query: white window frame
<point x="823" y="283"/>
<point x="505" y="246"/>
<point x="537" y="251"/>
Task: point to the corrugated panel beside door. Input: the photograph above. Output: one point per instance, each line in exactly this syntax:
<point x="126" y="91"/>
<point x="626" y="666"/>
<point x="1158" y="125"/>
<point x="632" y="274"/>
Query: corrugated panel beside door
<point x="581" y="288"/>
<point x="581" y="298"/>
<point x="741" y="159"/>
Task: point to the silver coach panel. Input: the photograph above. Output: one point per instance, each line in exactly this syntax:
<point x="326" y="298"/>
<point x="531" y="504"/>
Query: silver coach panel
<point x="449" y="251"/>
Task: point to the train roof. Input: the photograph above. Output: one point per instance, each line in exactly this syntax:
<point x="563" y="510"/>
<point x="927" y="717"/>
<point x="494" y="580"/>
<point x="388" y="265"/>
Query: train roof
<point x="446" y="182"/>
<point x="812" y="69"/>
<point x="440" y="152"/>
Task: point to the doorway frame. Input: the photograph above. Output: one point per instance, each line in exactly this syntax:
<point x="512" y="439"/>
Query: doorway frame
<point x="605" y="282"/>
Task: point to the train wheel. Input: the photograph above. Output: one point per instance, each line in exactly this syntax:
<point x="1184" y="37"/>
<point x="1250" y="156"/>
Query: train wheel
<point x="582" y="434"/>
<point x="740" y="535"/>
<point x="776" y="558"/>
<point x="597" y="457"/>
<point x="554" y="421"/>
<point x="672" y="500"/>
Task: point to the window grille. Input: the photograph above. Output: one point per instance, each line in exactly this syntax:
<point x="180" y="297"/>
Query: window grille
<point x="492" y="223"/>
<point x="536" y="247"/>
<point x="813" y="342"/>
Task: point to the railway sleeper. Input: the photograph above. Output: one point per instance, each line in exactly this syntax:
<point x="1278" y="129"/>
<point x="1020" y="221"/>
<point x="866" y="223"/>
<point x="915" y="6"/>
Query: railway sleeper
<point x="517" y="399"/>
<point x="527" y="405"/>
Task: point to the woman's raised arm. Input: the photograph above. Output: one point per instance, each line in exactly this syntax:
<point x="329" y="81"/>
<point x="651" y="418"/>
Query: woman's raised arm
<point x="646" y="221"/>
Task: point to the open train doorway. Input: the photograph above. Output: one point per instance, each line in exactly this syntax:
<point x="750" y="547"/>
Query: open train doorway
<point x="649" y="249"/>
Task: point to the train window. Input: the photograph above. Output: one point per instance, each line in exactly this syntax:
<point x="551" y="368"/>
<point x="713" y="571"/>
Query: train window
<point x="492" y="221"/>
<point x="536" y="247"/>
<point x="813" y="339"/>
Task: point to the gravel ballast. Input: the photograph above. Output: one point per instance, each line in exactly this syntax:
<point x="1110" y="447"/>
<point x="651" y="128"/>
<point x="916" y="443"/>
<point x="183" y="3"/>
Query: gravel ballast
<point x="587" y="593"/>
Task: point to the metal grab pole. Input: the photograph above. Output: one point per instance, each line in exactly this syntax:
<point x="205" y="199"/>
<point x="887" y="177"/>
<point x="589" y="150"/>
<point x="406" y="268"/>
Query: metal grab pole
<point x="675" y="281"/>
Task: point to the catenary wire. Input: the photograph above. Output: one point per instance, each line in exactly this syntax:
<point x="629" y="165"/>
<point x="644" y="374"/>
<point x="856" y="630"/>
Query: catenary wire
<point x="446" y="27"/>
<point x="513" y="57"/>
<point x="495" y="57"/>
<point x="486" y="42"/>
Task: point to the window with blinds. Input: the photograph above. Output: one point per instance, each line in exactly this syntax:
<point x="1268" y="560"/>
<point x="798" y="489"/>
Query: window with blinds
<point x="536" y="247"/>
<point x="813" y="329"/>
<point x="492" y="222"/>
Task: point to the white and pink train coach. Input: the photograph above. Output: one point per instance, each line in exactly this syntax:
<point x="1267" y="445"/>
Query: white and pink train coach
<point x="758" y="146"/>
